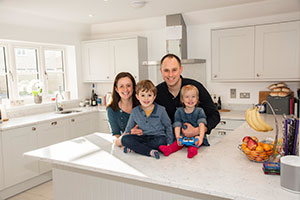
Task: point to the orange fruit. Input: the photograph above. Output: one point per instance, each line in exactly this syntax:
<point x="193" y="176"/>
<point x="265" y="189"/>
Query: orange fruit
<point x="254" y="153"/>
<point x="260" y="144"/>
<point x="247" y="151"/>
<point x="259" y="148"/>
<point x="258" y="159"/>
<point x="267" y="147"/>
<point x="243" y="146"/>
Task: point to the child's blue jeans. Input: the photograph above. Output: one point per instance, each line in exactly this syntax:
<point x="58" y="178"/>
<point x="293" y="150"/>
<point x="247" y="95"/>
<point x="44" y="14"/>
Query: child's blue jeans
<point x="143" y="144"/>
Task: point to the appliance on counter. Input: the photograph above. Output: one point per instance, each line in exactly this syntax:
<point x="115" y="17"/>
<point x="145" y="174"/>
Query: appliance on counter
<point x="281" y="105"/>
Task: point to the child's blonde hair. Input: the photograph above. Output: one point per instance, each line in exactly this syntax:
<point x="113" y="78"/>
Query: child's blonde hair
<point x="187" y="88"/>
<point x="145" y="86"/>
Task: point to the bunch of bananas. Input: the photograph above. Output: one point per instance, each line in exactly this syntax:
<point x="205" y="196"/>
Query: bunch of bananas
<point x="255" y="121"/>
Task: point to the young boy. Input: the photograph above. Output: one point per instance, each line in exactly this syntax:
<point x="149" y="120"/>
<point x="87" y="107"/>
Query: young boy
<point x="152" y="119"/>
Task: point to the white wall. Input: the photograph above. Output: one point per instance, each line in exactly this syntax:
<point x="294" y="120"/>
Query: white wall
<point x="199" y="45"/>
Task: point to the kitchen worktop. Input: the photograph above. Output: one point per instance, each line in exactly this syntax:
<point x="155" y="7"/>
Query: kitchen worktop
<point x="17" y="122"/>
<point x="219" y="170"/>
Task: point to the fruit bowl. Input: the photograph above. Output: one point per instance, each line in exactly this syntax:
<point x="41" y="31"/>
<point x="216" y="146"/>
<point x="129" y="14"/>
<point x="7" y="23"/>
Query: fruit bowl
<point x="262" y="152"/>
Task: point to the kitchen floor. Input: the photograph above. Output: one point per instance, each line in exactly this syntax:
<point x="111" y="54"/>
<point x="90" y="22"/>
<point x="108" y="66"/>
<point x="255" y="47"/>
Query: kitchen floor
<point x="41" y="192"/>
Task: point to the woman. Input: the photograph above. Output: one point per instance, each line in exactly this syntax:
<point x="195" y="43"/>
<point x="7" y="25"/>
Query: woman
<point x="123" y="100"/>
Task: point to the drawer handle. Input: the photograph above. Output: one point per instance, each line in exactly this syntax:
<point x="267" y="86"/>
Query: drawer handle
<point x="222" y="122"/>
<point x="222" y="132"/>
<point x="53" y="123"/>
<point x="72" y="120"/>
<point x="33" y="128"/>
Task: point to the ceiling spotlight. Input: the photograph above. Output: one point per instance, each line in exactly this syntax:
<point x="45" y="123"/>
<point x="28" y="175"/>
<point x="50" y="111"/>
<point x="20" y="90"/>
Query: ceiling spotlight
<point x="138" y="3"/>
<point x="91" y="15"/>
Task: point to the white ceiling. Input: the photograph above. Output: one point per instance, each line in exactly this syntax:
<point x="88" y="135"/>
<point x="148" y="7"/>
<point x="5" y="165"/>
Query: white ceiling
<point x="78" y="11"/>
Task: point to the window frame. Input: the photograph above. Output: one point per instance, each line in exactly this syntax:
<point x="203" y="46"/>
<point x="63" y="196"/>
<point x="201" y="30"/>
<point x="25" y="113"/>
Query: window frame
<point x="6" y="73"/>
<point x="41" y="67"/>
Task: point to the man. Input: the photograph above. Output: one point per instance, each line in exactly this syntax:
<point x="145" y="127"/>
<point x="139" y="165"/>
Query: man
<point x="168" y="94"/>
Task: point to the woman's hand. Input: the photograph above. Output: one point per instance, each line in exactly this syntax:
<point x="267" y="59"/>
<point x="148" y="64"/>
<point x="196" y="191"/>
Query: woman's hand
<point x="200" y="141"/>
<point x="136" y="131"/>
<point x="190" y="131"/>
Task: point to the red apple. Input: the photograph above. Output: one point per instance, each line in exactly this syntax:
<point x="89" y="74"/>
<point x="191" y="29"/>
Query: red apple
<point x="254" y="138"/>
<point x="252" y="144"/>
<point x="245" y="139"/>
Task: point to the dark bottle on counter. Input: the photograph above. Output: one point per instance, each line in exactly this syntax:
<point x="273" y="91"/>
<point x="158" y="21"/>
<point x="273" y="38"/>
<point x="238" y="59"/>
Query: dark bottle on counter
<point x="94" y="97"/>
<point x="215" y="101"/>
<point x="219" y="103"/>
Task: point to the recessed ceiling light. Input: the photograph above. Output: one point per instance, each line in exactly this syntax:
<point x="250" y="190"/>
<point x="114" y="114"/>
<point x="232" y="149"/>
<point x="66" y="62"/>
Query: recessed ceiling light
<point x="91" y="15"/>
<point x="138" y="3"/>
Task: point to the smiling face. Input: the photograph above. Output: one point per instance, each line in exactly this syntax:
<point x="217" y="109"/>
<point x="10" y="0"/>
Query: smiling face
<point x="146" y="99"/>
<point x="124" y="88"/>
<point x="190" y="98"/>
<point x="170" y="70"/>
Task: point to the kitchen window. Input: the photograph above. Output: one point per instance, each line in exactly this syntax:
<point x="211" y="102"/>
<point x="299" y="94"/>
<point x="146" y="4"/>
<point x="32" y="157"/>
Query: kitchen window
<point x="3" y="74"/>
<point x="24" y="65"/>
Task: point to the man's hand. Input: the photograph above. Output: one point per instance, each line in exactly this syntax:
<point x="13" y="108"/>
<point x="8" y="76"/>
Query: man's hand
<point x="136" y="131"/>
<point x="190" y="131"/>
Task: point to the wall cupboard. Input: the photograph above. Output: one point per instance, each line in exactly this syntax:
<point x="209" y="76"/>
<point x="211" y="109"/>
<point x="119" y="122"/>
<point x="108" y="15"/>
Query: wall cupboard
<point x="263" y="52"/>
<point x="1" y="165"/>
<point x="103" y="59"/>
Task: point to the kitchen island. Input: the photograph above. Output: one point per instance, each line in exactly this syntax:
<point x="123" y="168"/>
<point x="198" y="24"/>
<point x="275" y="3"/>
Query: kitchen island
<point x="91" y="167"/>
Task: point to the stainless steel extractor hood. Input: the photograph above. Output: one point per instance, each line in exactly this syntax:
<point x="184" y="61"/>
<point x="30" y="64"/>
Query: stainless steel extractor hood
<point x="176" y="40"/>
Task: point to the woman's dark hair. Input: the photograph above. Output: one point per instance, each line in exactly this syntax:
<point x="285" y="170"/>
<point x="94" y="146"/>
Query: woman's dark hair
<point x="170" y="55"/>
<point x="115" y="98"/>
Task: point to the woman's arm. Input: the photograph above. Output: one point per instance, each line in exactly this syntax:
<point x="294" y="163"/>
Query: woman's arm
<point x="113" y="122"/>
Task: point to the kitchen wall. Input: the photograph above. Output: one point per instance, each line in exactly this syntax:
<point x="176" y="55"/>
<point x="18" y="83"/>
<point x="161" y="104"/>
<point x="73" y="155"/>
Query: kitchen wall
<point x="199" y="37"/>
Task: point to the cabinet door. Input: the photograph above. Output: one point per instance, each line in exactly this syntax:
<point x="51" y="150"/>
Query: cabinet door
<point x="96" y="61"/>
<point x="277" y="51"/>
<point x="233" y="54"/>
<point x="1" y="165"/>
<point x="17" y="167"/>
<point x="125" y="56"/>
<point x="47" y="134"/>
<point x="103" y="123"/>
<point x="82" y="125"/>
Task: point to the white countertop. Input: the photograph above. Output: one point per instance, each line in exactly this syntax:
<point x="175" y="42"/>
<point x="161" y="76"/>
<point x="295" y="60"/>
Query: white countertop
<point x="18" y="122"/>
<point x="220" y="170"/>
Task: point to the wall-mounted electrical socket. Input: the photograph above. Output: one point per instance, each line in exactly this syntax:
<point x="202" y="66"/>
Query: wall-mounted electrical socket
<point x="232" y="93"/>
<point x="245" y="95"/>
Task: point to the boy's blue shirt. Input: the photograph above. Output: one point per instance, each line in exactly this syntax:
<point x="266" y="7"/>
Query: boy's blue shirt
<point x="158" y="123"/>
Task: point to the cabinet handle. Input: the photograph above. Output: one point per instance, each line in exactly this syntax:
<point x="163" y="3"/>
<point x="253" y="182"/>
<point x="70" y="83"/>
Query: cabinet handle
<point x="257" y="75"/>
<point x="222" y="132"/>
<point x="53" y="123"/>
<point x="33" y="128"/>
<point x="222" y="122"/>
<point x="215" y="76"/>
<point x="72" y="120"/>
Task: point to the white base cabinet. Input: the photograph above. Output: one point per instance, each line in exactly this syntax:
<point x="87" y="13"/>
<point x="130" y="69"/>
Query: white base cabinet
<point x="263" y="52"/>
<point x="103" y="123"/>
<point x="81" y="125"/>
<point x="15" y="143"/>
<point x="47" y="134"/>
<point x="104" y="59"/>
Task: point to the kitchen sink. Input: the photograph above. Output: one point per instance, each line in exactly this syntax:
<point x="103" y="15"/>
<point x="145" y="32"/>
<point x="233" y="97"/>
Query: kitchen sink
<point x="68" y="111"/>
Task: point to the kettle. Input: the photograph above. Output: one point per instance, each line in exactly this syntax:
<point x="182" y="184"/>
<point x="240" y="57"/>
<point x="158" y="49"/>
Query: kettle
<point x="107" y="98"/>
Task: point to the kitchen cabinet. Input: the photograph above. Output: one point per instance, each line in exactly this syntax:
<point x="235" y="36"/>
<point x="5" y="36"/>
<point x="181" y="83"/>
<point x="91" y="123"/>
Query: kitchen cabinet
<point x="16" y="142"/>
<point x="225" y="127"/>
<point x="233" y="54"/>
<point x="49" y="133"/>
<point x="1" y="165"/>
<point x="263" y="52"/>
<point x="103" y="59"/>
<point x="82" y="125"/>
<point x="277" y="51"/>
<point x="103" y="123"/>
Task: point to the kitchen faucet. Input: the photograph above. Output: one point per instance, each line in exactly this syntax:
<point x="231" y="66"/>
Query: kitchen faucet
<point x="58" y="105"/>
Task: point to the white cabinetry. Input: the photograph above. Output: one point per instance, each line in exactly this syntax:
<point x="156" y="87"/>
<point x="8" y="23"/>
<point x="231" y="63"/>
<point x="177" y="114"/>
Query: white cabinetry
<point x="224" y="127"/>
<point x="1" y="165"/>
<point x="103" y="123"/>
<point x="233" y="54"/>
<point x="103" y="59"/>
<point x="81" y="125"/>
<point x="277" y="54"/>
<point x="263" y="52"/>
<point x="49" y="133"/>
<point x="15" y="143"/>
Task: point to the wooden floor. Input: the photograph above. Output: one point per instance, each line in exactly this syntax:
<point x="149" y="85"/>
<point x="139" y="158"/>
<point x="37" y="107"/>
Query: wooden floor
<point x="40" y="192"/>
